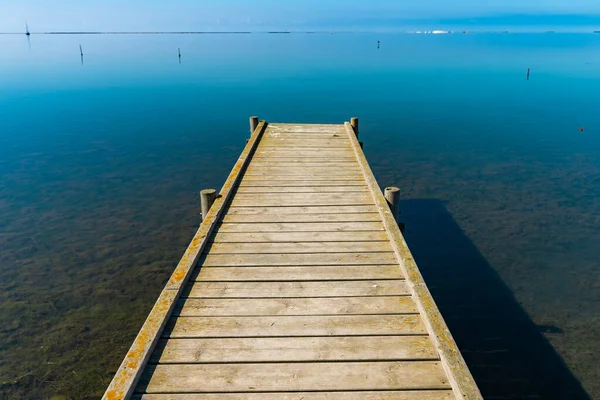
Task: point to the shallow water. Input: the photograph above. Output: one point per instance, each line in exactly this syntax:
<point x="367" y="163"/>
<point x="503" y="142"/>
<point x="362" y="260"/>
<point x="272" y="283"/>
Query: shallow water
<point x="101" y="164"/>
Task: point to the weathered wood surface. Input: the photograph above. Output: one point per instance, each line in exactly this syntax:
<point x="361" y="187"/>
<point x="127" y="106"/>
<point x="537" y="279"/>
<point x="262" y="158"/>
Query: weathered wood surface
<point x="307" y="273"/>
<point x="300" y="291"/>
<point x="242" y="290"/>
<point x="296" y="326"/>
<point x="344" y="348"/>
<point x="315" y="376"/>
<point x="363" y="395"/>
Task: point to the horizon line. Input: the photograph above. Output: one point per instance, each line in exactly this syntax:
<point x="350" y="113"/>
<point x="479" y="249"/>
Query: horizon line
<point x="449" y="31"/>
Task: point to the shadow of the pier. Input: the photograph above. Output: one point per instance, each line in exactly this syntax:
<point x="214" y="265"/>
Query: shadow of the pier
<point x="504" y="349"/>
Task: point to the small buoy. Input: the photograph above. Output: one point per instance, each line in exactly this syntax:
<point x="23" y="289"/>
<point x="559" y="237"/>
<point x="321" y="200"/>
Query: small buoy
<point x="580" y="129"/>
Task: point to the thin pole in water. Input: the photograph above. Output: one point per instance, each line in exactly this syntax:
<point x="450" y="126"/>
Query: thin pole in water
<point x="179" y="53"/>
<point x="528" y="71"/>
<point x="28" y="35"/>
<point x="81" y="53"/>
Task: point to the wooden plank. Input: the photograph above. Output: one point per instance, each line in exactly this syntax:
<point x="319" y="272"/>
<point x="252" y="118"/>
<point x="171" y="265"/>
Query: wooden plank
<point x="323" y="143"/>
<point x="460" y="378"/>
<point x="295" y="173"/>
<point x="300" y="248"/>
<point x="398" y="375"/>
<point x="362" y="395"/>
<point x="333" y="170"/>
<point x="340" y="135"/>
<point x="282" y="174"/>
<point x="306" y="127"/>
<point x="314" y="210"/>
<point x="290" y="273"/>
<point x="347" y="150"/>
<point x="296" y="153"/>
<point x="287" y="164"/>
<point x="312" y="128"/>
<point x="324" y="259"/>
<point x="315" y="179"/>
<point x="314" y="218"/>
<point x="285" y="326"/>
<point x="303" y="227"/>
<point x="306" y="201"/>
<point x="266" y="237"/>
<point x="242" y="290"/>
<point x="130" y="370"/>
<point x="307" y="132"/>
<point x="350" y="348"/>
<point x="257" y="182"/>
<point x="194" y="307"/>
<point x="305" y="145"/>
<point x="303" y="189"/>
<point x="306" y="159"/>
<point x="339" y="197"/>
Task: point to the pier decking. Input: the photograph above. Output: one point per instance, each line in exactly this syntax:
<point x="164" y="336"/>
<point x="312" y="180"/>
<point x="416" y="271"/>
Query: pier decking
<point x="297" y="285"/>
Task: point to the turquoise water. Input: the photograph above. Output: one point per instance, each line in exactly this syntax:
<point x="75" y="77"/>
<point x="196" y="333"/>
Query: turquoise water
<point x="101" y="164"/>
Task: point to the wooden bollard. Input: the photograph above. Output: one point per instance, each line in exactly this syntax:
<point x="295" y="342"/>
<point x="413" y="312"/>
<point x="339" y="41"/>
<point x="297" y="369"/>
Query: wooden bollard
<point x="354" y="123"/>
<point x="253" y="125"/>
<point x="207" y="198"/>
<point x="392" y="195"/>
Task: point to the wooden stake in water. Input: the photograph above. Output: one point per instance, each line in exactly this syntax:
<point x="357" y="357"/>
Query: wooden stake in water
<point x="528" y="71"/>
<point x="207" y="198"/>
<point x="253" y="124"/>
<point x="179" y="54"/>
<point x="354" y="123"/>
<point x="392" y="195"/>
<point x="81" y="53"/>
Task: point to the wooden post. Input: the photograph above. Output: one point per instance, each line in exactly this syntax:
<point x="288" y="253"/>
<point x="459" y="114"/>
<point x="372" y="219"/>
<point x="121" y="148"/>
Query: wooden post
<point x="354" y="123"/>
<point x="253" y="124"/>
<point x="392" y="195"/>
<point x="207" y="198"/>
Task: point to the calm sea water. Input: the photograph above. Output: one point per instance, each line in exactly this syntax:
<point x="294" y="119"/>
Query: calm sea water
<point x="101" y="164"/>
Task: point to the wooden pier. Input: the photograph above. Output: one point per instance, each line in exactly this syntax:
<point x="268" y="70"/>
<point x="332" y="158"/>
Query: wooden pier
<point x="297" y="285"/>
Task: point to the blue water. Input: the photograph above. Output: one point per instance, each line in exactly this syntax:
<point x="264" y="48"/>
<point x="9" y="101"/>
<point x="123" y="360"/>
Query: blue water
<point x="101" y="164"/>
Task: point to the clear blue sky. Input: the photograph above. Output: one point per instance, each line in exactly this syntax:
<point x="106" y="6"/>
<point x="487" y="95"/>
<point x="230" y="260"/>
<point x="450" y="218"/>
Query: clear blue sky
<point x="44" y="15"/>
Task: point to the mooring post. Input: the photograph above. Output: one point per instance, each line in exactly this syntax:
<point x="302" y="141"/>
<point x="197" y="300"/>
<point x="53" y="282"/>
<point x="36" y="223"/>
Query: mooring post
<point x="253" y="124"/>
<point x="207" y="198"/>
<point x="354" y="123"/>
<point x="392" y="195"/>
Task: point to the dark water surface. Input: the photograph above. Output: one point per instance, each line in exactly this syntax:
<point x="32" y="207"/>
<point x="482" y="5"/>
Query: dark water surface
<point x="101" y="164"/>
